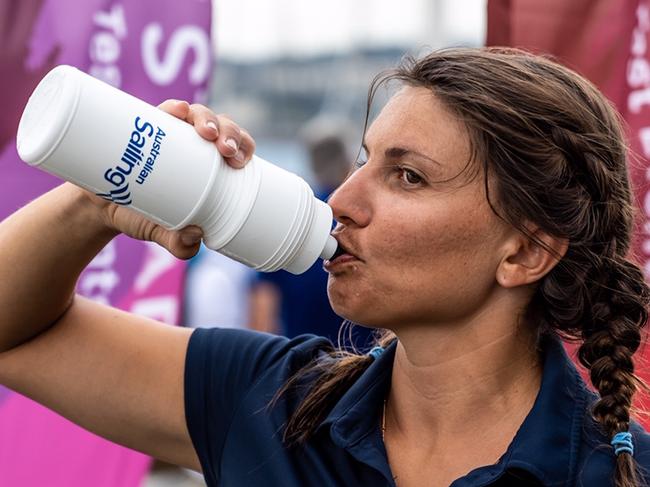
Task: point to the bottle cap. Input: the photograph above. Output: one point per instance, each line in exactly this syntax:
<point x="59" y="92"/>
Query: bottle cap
<point x="48" y="114"/>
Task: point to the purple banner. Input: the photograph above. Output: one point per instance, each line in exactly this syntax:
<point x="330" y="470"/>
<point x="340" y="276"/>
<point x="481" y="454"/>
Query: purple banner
<point x="153" y="49"/>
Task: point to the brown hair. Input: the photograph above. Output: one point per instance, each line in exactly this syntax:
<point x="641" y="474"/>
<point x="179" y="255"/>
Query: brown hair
<point x="558" y="154"/>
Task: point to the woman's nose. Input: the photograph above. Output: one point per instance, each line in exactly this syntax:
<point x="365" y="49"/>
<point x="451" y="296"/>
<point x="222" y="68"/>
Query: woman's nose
<point x="351" y="202"/>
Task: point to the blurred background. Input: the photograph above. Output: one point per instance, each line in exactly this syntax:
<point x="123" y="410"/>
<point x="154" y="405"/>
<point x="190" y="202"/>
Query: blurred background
<point x="283" y="64"/>
<point x="295" y="74"/>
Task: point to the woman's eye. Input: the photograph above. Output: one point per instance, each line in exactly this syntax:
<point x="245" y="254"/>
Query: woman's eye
<point x="409" y="176"/>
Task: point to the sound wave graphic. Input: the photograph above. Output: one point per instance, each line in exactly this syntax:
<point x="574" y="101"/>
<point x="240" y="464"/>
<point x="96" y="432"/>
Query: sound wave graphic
<point x="120" y="196"/>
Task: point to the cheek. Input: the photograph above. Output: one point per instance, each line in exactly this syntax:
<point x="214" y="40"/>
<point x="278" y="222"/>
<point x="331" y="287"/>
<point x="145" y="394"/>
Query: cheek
<point x="432" y="266"/>
<point x="419" y="243"/>
<point x="426" y="265"/>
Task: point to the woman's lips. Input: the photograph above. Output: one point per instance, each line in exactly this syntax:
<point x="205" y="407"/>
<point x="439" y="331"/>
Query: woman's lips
<point x="341" y="260"/>
<point x="340" y="257"/>
<point x="339" y="251"/>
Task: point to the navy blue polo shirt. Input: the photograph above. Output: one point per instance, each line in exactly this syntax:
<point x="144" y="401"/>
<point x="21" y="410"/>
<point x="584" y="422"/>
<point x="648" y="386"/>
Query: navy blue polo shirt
<point x="231" y="375"/>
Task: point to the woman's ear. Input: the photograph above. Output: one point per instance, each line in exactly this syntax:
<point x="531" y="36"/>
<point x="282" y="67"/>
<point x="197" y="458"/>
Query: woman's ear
<point x="528" y="258"/>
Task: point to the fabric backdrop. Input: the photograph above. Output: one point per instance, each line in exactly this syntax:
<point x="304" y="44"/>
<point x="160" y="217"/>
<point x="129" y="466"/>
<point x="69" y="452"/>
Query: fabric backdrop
<point x="153" y="49"/>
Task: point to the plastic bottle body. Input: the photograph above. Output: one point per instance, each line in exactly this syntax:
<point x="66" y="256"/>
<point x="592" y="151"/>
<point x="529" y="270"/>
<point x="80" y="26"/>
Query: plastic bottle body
<point x="127" y="151"/>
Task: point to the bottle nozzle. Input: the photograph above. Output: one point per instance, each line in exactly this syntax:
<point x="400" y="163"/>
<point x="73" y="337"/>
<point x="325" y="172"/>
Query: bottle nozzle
<point x="331" y="245"/>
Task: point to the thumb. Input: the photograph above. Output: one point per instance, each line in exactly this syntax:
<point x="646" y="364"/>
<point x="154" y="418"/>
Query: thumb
<point x="183" y="244"/>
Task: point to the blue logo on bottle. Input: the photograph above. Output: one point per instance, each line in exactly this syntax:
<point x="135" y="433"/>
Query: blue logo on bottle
<point x="120" y="195"/>
<point x="133" y="156"/>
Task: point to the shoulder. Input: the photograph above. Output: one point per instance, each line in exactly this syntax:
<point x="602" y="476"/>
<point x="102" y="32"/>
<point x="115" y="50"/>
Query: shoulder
<point x="237" y="350"/>
<point x="307" y="343"/>
<point x="231" y="372"/>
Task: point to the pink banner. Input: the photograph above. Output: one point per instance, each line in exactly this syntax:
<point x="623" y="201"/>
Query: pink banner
<point x="153" y="49"/>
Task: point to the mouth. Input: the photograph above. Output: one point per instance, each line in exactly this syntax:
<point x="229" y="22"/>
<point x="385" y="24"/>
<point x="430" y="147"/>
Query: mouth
<point x="343" y="255"/>
<point x="339" y="252"/>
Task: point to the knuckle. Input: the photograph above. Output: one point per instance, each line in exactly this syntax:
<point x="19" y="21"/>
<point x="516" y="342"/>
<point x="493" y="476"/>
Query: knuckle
<point x="232" y="131"/>
<point x="201" y="111"/>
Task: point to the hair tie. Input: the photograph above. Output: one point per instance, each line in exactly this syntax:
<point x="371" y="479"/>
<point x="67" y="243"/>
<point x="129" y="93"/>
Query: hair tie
<point x="376" y="352"/>
<point x="622" y="442"/>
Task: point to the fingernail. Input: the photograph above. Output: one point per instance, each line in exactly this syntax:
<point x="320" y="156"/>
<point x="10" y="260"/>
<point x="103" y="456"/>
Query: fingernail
<point x="232" y="144"/>
<point x="210" y="124"/>
<point x="191" y="237"/>
<point x="239" y="157"/>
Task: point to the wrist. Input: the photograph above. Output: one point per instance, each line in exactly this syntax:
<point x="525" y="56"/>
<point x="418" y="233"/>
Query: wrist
<point x="93" y="211"/>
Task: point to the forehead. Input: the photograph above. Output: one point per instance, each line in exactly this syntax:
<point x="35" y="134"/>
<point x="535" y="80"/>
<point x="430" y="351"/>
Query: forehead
<point x="416" y="119"/>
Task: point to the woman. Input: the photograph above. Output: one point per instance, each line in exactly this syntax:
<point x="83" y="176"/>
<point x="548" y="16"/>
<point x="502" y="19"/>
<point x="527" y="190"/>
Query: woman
<point x="491" y="215"/>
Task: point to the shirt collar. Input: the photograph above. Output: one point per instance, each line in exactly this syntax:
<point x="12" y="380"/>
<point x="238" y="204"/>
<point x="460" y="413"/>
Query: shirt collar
<point x="546" y="444"/>
<point x="354" y="421"/>
<point x="357" y="412"/>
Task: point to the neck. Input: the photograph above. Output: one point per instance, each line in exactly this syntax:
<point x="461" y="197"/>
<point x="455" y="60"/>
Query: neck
<point x="474" y="381"/>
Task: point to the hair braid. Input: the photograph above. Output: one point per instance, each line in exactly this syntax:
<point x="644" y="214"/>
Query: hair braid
<point x="607" y="350"/>
<point x="610" y="297"/>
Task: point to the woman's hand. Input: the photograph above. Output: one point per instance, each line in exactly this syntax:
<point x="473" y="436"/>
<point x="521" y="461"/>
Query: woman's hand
<point x="235" y="145"/>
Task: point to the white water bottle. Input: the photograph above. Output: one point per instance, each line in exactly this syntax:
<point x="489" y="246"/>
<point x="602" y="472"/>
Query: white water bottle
<point x="134" y="154"/>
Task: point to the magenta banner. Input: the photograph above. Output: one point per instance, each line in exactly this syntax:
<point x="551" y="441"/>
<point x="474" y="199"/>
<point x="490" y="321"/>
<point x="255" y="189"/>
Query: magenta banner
<point x="153" y="49"/>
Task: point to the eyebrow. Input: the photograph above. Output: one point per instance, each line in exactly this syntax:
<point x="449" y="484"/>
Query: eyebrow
<point x="399" y="152"/>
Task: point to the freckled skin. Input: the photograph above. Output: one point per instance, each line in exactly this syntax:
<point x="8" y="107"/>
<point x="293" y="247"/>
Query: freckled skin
<point x="429" y="252"/>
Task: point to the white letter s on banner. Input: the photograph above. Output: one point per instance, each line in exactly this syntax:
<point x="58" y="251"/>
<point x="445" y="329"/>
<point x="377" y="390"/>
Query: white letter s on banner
<point x="164" y="71"/>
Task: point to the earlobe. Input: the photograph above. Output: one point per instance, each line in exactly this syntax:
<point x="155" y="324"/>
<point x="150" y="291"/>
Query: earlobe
<point x="530" y="258"/>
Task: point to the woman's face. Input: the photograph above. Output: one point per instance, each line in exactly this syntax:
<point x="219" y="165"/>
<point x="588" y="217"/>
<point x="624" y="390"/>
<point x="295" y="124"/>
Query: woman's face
<point x="423" y="250"/>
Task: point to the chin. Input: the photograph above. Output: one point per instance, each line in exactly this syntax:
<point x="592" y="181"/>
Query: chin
<point x="357" y="305"/>
<point x="358" y="313"/>
<point x="345" y="310"/>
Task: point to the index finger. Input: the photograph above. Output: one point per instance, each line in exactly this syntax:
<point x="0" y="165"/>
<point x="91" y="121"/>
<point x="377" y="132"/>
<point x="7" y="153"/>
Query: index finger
<point x="177" y="108"/>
